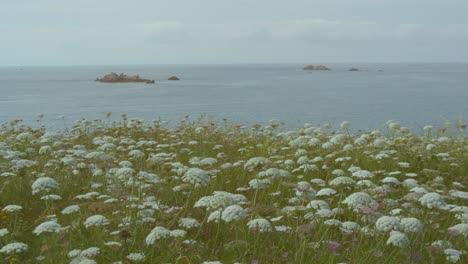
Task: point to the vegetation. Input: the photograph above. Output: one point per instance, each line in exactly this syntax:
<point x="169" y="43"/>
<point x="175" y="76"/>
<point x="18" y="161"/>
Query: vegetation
<point x="128" y="192"/>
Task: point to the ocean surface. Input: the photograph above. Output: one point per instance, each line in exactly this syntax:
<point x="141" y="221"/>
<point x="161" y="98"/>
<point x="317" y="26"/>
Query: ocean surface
<point x="412" y="94"/>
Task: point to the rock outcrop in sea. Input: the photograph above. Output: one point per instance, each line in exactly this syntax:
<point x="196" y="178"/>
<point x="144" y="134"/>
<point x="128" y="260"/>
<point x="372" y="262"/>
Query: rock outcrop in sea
<point x="316" y="68"/>
<point x="173" y="78"/>
<point x="122" y="78"/>
<point x="354" y="69"/>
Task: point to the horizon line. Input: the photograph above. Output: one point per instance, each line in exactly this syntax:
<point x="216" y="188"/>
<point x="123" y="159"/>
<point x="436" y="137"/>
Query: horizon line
<point x="231" y="63"/>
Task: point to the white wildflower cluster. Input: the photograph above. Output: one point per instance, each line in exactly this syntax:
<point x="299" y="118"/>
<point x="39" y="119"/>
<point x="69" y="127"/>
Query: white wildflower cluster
<point x="260" y="225"/>
<point x="197" y="177"/>
<point x="233" y="213"/>
<point x="47" y="227"/>
<point x="189" y="223"/>
<point x="44" y="184"/>
<point x="96" y="220"/>
<point x="433" y="201"/>
<point x="398" y="239"/>
<point x="220" y="199"/>
<point x="14" y="248"/>
<point x="359" y="200"/>
<point x="103" y="184"/>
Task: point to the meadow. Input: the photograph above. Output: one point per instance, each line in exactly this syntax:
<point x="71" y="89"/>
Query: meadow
<point x="213" y="192"/>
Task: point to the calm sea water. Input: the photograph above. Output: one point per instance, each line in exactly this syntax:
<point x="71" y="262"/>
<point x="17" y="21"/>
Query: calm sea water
<point x="413" y="94"/>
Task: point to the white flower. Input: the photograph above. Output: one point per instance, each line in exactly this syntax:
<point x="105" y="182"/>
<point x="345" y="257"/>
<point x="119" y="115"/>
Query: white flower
<point x="96" y="220"/>
<point x="461" y="229"/>
<point x="342" y="180"/>
<point x="214" y="216"/>
<point x="387" y="223"/>
<point x="259" y="183"/>
<point x="326" y="192"/>
<point x="283" y="228"/>
<point x="349" y="227"/>
<point x="178" y="233"/>
<point x="16" y="247"/>
<point x="433" y="200"/>
<point x="324" y="213"/>
<point x="12" y="208"/>
<point x="332" y="222"/>
<point x="82" y="260"/>
<point x="379" y="142"/>
<point x="4" y="232"/>
<point x="363" y="174"/>
<point x="404" y="164"/>
<point x="197" y="177"/>
<point x="418" y="190"/>
<point x="208" y="162"/>
<point x="338" y="172"/>
<point x="348" y="147"/>
<point x="51" y="197"/>
<point x="411" y="225"/>
<point x="359" y="200"/>
<point x="113" y="243"/>
<point x="136" y="154"/>
<point x="157" y="233"/>
<point x="48" y="227"/>
<point x="44" y="184"/>
<point x="259" y="224"/>
<point x="459" y="194"/>
<point x="345" y="125"/>
<point x="430" y="147"/>
<point x="453" y="255"/>
<point x="124" y="174"/>
<point x="90" y="252"/>
<point x="74" y="253"/>
<point x="365" y="183"/>
<point x="442" y="244"/>
<point x="233" y="213"/>
<point x="220" y="199"/>
<point x="136" y="256"/>
<point x="189" y="223"/>
<point x="318" y="204"/>
<point x="256" y="162"/>
<point x="71" y="209"/>
<point x="398" y="239"/>
<point x="391" y="180"/>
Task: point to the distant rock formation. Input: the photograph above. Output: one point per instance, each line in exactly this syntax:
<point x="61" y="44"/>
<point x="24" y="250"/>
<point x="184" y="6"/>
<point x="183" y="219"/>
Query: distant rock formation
<point x="354" y="69"/>
<point x="316" y="68"/>
<point x="122" y="78"/>
<point x="173" y="78"/>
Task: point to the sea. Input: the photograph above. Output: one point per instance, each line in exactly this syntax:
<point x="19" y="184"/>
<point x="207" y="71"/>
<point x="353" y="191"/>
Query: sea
<point x="413" y="94"/>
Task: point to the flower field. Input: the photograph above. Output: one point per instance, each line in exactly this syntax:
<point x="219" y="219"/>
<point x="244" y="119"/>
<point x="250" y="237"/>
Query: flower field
<point x="212" y="192"/>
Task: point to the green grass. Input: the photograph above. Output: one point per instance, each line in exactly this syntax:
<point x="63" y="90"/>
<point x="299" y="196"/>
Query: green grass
<point x="306" y="239"/>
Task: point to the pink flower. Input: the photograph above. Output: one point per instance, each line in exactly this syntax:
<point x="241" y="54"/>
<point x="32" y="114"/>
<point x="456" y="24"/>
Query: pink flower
<point x="332" y="246"/>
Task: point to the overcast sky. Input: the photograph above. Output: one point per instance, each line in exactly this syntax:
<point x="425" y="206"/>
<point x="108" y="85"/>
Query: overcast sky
<point x="65" y="32"/>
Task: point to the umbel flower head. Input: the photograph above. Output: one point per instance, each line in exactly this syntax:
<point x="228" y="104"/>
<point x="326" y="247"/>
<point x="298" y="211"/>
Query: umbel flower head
<point x="411" y="225"/>
<point x="259" y="224"/>
<point x="433" y="201"/>
<point x="197" y="177"/>
<point x="15" y="247"/>
<point x="398" y="239"/>
<point x="233" y="213"/>
<point x="44" y="184"/>
<point x="48" y="227"/>
<point x="96" y="220"/>
<point x="387" y="223"/>
<point x="359" y="200"/>
<point x="157" y="233"/>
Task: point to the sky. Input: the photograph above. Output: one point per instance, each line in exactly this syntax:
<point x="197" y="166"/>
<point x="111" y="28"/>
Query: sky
<point x="91" y="32"/>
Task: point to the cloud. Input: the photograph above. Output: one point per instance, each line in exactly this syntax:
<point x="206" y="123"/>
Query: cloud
<point x="164" y="32"/>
